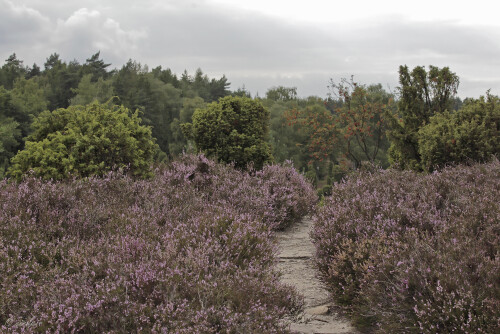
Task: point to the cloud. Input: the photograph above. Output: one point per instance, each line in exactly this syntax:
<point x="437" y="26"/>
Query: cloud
<point x="250" y="47"/>
<point x="86" y="31"/>
<point x="20" y="25"/>
<point x="32" y="35"/>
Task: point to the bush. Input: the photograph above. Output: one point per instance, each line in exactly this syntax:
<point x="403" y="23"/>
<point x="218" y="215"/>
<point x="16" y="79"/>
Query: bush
<point x="233" y="130"/>
<point x="187" y="251"/>
<point x="277" y="195"/>
<point x="469" y="134"/>
<point x="414" y="253"/>
<point x="290" y="196"/>
<point x="84" y="141"/>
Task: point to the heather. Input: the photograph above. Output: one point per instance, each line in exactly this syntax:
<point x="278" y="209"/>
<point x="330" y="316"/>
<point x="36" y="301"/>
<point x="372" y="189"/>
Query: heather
<point x="190" y="250"/>
<point x="413" y="253"/>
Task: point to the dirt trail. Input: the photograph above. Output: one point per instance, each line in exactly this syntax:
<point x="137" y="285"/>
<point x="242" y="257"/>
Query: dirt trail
<point x="296" y="264"/>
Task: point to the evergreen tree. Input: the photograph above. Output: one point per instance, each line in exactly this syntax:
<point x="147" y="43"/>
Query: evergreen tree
<point x="422" y="95"/>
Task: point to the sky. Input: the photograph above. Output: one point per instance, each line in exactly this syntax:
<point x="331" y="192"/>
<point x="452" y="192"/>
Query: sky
<point x="259" y="44"/>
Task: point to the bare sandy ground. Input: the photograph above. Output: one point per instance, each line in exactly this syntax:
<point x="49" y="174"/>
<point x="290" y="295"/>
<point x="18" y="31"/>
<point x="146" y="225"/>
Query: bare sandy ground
<point x="297" y="267"/>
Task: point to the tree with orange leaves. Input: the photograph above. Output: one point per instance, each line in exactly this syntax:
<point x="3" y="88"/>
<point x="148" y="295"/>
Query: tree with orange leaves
<point x="361" y="120"/>
<point x="354" y="131"/>
<point x="318" y="124"/>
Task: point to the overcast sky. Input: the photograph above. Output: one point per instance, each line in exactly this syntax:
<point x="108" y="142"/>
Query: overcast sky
<point x="264" y="43"/>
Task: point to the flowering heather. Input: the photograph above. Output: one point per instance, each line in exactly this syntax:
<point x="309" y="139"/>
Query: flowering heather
<point x="278" y="195"/>
<point x="412" y="253"/>
<point x="189" y="251"/>
<point x="291" y="197"/>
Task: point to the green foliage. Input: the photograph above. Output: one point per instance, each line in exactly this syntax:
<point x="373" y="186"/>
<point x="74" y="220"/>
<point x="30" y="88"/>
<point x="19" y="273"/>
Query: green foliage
<point x="160" y="102"/>
<point x="469" y="134"/>
<point x="95" y="67"/>
<point x="281" y="93"/>
<point x="233" y="130"/>
<point x="361" y="121"/>
<point x="28" y="96"/>
<point x="9" y="141"/>
<point x="347" y="129"/>
<point x="11" y="71"/>
<point x="62" y="78"/>
<point x="12" y="123"/>
<point x="189" y="105"/>
<point x="312" y="177"/>
<point x="89" y="91"/>
<point x="288" y="143"/>
<point x="84" y="141"/>
<point x="422" y="95"/>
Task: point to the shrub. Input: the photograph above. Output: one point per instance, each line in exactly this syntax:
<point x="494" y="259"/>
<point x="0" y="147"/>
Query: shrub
<point x="290" y="196"/>
<point x="469" y="134"/>
<point x="182" y="252"/>
<point x="277" y="195"/>
<point x="415" y="253"/>
<point x="233" y="130"/>
<point x="84" y="141"/>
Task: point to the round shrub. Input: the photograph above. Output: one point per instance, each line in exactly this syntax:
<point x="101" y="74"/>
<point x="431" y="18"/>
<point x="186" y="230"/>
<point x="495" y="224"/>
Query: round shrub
<point x="83" y="141"/>
<point x="232" y="130"/>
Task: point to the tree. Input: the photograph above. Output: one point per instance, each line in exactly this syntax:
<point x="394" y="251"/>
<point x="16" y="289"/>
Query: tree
<point x="15" y="124"/>
<point x="288" y="143"/>
<point x="34" y="71"/>
<point x="11" y="71"/>
<point x="179" y="143"/>
<point x="469" y="134"/>
<point x="96" y="68"/>
<point x="88" y="91"/>
<point x="318" y="125"/>
<point x="353" y="132"/>
<point x="218" y="88"/>
<point x="234" y="130"/>
<point x="160" y="102"/>
<point x="242" y="91"/>
<point x="167" y="76"/>
<point x="281" y="93"/>
<point x="61" y="79"/>
<point x="85" y="140"/>
<point x="29" y="98"/>
<point x="422" y="95"/>
<point x="361" y="121"/>
<point x="10" y="137"/>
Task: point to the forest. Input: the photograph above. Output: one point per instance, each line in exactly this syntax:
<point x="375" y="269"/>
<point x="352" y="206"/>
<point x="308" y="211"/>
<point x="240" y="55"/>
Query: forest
<point x="140" y="200"/>
<point x="323" y="137"/>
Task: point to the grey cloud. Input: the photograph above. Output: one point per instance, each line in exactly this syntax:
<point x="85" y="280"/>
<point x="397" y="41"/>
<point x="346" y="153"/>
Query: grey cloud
<point x="250" y="48"/>
<point x="87" y="30"/>
<point x="20" y="24"/>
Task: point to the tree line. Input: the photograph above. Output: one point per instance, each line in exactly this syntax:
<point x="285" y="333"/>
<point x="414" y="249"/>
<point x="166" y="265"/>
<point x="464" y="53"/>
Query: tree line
<point x="163" y="98"/>
<point x="420" y="126"/>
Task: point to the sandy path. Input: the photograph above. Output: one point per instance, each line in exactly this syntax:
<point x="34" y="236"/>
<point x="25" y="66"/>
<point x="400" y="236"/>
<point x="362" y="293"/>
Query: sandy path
<point x="296" y="264"/>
